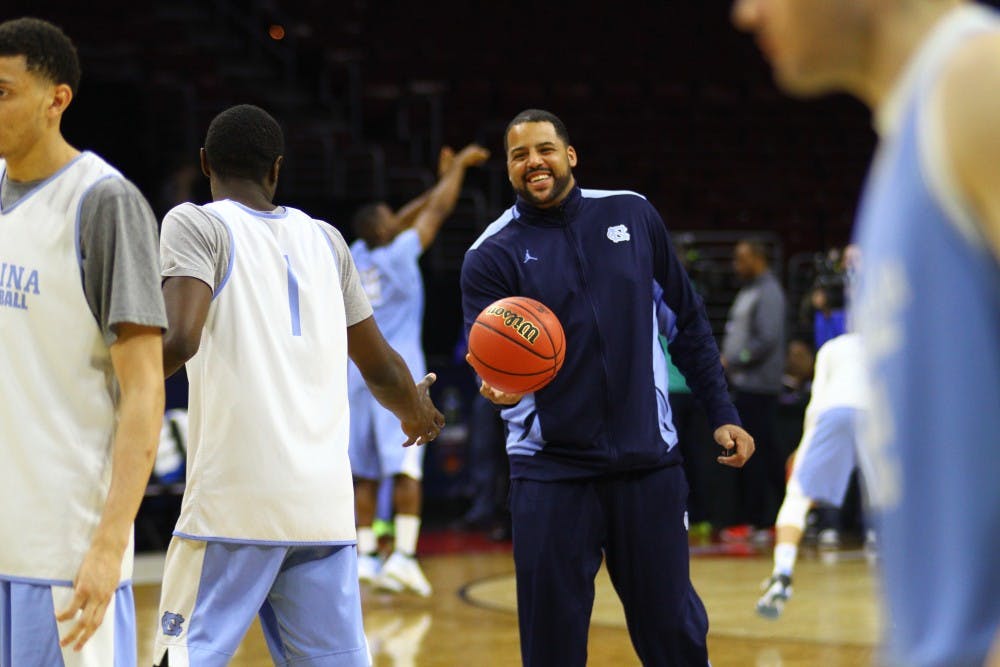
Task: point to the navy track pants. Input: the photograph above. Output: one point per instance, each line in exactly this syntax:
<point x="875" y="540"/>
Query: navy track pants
<point x="637" y="520"/>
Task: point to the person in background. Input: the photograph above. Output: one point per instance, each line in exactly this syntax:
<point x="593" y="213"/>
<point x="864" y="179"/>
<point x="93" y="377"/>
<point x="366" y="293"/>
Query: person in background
<point x="824" y="461"/>
<point x="387" y="252"/>
<point x="753" y="354"/>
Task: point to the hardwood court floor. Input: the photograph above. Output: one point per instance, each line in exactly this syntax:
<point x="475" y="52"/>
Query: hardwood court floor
<point x="832" y="620"/>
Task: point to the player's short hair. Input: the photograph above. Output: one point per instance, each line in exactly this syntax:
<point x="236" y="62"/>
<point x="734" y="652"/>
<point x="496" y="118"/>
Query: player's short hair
<point x="47" y="50"/>
<point x="364" y="222"/>
<point x="243" y="142"/>
<point x="537" y="116"/>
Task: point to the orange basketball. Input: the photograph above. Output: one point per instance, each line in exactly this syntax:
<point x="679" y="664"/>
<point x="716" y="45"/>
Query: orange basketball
<point x="517" y="345"/>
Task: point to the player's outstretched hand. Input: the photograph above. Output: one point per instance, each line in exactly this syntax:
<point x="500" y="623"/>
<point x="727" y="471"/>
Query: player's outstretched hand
<point x="95" y="583"/>
<point x="737" y="443"/>
<point x="429" y="421"/>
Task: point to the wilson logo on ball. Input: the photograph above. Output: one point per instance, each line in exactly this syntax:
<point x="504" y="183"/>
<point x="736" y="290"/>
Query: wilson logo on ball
<point x="525" y="329"/>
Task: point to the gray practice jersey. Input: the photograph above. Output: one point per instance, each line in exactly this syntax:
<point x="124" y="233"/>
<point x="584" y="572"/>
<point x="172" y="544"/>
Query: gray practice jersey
<point x="197" y="245"/>
<point x="117" y="237"/>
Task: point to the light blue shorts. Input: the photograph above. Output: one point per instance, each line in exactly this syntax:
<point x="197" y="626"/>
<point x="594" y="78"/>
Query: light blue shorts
<point x="307" y="598"/>
<point x="29" y="634"/>
<point x="376" y="447"/>
<point x="824" y="465"/>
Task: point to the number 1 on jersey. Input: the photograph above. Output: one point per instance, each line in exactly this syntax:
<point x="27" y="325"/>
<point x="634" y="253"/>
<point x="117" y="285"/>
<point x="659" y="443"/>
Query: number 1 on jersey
<point x="293" y="298"/>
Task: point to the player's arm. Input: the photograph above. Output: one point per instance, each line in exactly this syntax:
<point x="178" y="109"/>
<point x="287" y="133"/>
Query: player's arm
<point x="390" y="382"/>
<point x="194" y="254"/>
<point x="138" y="368"/>
<point x="442" y="197"/>
<point x="187" y="301"/>
<point x="969" y="96"/>
<point x="693" y="349"/>
<point x="118" y="247"/>
<point x="407" y="215"/>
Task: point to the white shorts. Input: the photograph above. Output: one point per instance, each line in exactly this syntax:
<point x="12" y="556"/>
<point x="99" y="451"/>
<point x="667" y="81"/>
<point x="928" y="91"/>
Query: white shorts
<point x="307" y="598"/>
<point x="29" y="633"/>
<point x="828" y="456"/>
<point x="376" y="446"/>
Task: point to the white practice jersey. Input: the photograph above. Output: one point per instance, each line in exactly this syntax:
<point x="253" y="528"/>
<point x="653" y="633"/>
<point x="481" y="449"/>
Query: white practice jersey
<point x="267" y="456"/>
<point x="57" y="409"/>
<point x="840" y="379"/>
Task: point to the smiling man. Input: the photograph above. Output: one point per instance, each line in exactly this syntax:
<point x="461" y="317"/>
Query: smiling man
<point x="928" y="304"/>
<point x="595" y="467"/>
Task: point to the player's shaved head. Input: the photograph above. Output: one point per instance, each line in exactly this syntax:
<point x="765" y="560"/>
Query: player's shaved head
<point x="243" y="141"/>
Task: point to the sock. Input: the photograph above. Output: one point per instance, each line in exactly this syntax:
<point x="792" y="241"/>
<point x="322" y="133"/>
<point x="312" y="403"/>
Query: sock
<point x="784" y="558"/>
<point x="407" y="530"/>
<point x="367" y="544"/>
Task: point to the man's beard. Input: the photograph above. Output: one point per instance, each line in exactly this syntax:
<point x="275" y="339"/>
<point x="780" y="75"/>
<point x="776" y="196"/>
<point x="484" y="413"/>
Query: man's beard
<point x="559" y="186"/>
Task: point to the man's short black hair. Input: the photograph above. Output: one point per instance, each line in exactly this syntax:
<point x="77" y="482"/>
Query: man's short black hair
<point x="243" y="142"/>
<point x="365" y="222"/>
<point x="47" y="50"/>
<point x="537" y="116"/>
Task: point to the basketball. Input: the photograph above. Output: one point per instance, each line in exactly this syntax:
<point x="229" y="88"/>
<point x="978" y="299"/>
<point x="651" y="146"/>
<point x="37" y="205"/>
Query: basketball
<point x="517" y="345"/>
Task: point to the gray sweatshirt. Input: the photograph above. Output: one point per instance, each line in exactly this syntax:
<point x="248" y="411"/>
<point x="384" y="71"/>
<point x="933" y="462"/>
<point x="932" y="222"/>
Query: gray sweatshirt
<point x="754" y="345"/>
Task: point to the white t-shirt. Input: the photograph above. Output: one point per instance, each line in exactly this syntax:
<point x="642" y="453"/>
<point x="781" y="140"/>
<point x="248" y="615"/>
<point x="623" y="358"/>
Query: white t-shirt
<point x="840" y="379"/>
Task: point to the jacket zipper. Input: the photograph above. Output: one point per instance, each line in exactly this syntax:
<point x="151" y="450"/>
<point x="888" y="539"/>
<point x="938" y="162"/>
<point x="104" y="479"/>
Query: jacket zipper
<point x="600" y="338"/>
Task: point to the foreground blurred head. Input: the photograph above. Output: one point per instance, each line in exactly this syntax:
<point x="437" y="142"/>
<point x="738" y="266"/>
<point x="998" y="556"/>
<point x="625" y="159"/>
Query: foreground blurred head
<point x="815" y="46"/>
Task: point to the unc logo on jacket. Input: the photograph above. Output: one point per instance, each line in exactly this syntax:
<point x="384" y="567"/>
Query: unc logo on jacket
<point x="618" y="233"/>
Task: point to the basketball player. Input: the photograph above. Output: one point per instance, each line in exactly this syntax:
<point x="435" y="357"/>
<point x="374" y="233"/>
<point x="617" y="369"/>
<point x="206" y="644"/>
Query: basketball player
<point x="929" y="296"/>
<point x="386" y="253"/>
<point x="81" y="390"/>
<point x="825" y="458"/>
<point x="265" y="305"/>
<point x="594" y="460"/>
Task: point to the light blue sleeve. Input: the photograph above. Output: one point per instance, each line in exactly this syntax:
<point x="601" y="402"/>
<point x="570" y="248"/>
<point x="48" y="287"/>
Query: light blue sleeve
<point x="405" y="247"/>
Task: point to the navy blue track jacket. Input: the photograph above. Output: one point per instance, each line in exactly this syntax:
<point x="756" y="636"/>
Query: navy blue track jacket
<point x="593" y="261"/>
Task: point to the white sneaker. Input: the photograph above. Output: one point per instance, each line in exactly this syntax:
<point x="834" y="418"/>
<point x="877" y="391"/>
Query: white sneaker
<point x="368" y="568"/>
<point x="777" y="591"/>
<point x="402" y="571"/>
<point x="828" y="538"/>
